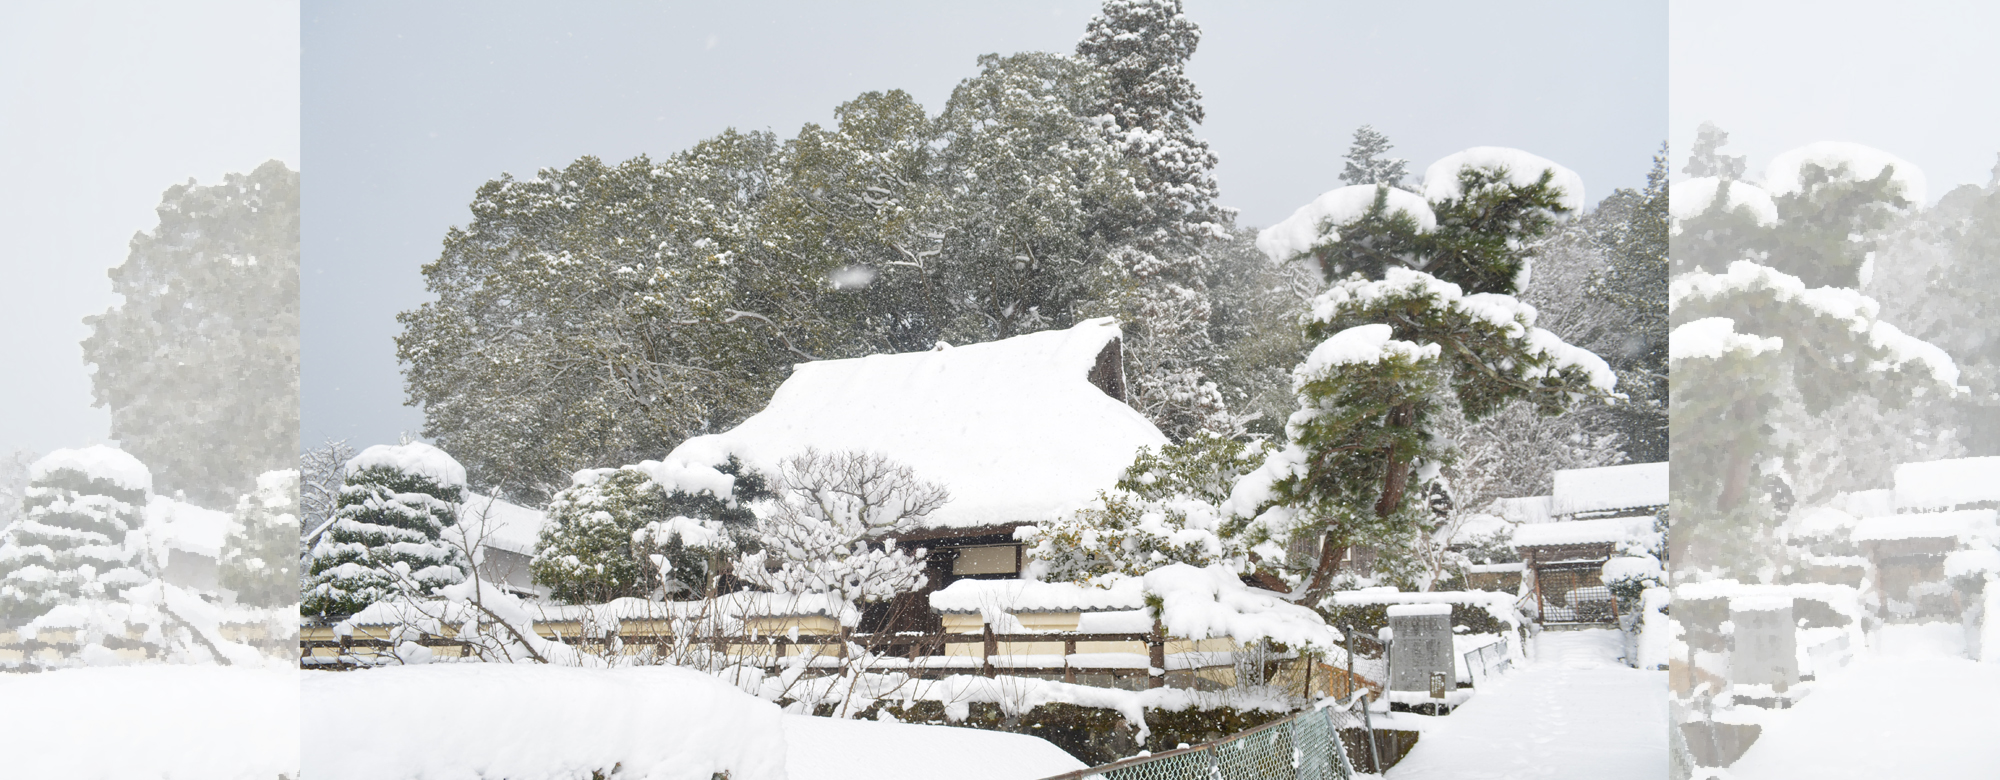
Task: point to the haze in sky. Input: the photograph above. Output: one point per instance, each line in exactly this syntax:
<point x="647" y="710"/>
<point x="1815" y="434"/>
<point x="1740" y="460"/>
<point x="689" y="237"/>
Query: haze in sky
<point x="103" y="106"/>
<point x="407" y="111"/>
<point x="1912" y="79"/>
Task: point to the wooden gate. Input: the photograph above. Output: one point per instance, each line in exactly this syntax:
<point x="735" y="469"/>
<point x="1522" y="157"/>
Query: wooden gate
<point x="1574" y="593"/>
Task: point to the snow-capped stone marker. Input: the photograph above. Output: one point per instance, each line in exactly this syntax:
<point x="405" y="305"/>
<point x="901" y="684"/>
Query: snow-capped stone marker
<point x="1763" y="657"/>
<point x="1421" y="648"/>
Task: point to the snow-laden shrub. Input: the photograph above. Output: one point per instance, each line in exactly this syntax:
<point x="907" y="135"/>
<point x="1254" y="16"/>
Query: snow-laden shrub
<point x="621" y="532"/>
<point x="831" y="527"/>
<point x="72" y="541"/>
<point x="385" y="541"/>
<point x="1630" y="576"/>
<point x="257" y="555"/>
<point x="1165" y="510"/>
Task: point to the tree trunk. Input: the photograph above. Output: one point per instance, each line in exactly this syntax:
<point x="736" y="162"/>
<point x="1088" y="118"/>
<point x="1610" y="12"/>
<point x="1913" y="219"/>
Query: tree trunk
<point x="1397" y="481"/>
<point x="1736" y="480"/>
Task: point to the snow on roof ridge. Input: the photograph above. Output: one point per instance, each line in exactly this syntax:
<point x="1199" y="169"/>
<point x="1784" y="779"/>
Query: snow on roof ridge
<point x="1941" y="484"/>
<point x="1624" y="486"/>
<point x="1614" y="530"/>
<point x="1926" y="525"/>
<point x="1014" y="429"/>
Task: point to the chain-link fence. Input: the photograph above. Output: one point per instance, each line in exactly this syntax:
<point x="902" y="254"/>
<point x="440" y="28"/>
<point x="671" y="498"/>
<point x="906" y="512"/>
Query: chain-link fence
<point x="1306" y="746"/>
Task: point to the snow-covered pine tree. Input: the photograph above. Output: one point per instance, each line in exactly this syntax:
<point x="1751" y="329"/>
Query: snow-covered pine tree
<point x="71" y="544"/>
<point x="385" y="542"/>
<point x="607" y="528"/>
<point x="259" y="555"/>
<point x="1757" y="351"/>
<point x="1158" y="276"/>
<point x="1366" y="162"/>
<point x="1706" y="158"/>
<point x="1365" y="436"/>
<point x="199" y="365"/>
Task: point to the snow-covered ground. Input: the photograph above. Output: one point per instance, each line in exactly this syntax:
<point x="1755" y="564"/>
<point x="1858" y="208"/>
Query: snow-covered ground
<point x="828" y="749"/>
<point x="1912" y="706"/>
<point x="1574" y="711"/>
<point x="536" y="722"/>
<point x="146" y="722"/>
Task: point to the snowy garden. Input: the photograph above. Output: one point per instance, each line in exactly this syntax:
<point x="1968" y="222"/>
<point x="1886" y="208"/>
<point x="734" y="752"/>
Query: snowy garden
<point x="1122" y="500"/>
<point x="1834" y="550"/>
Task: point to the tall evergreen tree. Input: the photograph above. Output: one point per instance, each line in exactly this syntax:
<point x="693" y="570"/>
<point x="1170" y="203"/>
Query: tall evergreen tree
<point x="387" y="539"/>
<point x="1706" y="157"/>
<point x="1159" y="273"/>
<point x="1366" y="163"/>
<point x="1365" y="437"/>
<point x="199" y="365"/>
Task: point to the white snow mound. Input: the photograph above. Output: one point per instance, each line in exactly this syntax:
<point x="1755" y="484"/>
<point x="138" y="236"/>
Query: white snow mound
<point x="413" y="458"/>
<point x="1320" y="221"/>
<point x="97" y="462"/>
<point x="1523" y="169"/>
<point x="1713" y="337"/>
<point x="1784" y="175"/>
<point x="537" y="722"/>
<point x="1691" y="198"/>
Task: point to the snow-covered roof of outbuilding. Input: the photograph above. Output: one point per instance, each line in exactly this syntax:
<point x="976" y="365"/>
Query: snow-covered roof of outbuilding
<point x="1630" y="486"/>
<point x="497" y="524"/>
<point x="1943" y="484"/>
<point x="1014" y="429"/>
<point x="1612" y="530"/>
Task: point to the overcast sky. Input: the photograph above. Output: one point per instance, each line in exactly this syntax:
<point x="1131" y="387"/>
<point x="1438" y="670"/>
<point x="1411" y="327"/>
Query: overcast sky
<point x="103" y="105"/>
<point x="1916" y="80"/>
<point x="407" y="111"/>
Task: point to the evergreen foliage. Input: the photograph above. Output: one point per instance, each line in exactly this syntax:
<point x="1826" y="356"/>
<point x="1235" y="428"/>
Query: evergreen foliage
<point x="605" y="532"/>
<point x="1165" y="509"/>
<point x="386" y="542"/>
<point x="259" y="560"/>
<point x="71" y="544"/>
<point x="1157" y="277"/>
<point x="1365" y="162"/>
<point x="199" y="365"/>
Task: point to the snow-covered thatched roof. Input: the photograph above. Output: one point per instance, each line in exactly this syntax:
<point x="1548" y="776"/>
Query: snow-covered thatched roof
<point x="1630" y="486"/>
<point x="1014" y="429"/>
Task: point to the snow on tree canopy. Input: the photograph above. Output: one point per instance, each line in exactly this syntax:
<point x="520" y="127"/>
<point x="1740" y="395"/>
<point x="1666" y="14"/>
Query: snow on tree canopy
<point x="1014" y="429"/>
<point x="1943" y="484"/>
<point x="1523" y="169"/>
<point x="1628" y="486"/>
<point x="1213" y="602"/>
<point x="1784" y="176"/>
<point x="97" y="462"/>
<point x="1856" y="311"/>
<point x="1712" y="337"/>
<point x="1319" y="221"/>
<point x="1691" y="198"/>
<point x="1360" y="345"/>
<point x="413" y="458"/>
<point x="1504" y="312"/>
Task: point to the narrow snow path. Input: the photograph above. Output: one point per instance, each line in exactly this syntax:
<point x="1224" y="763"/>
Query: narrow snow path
<point x="1888" y="714"/>
<point x="1574" y="711"/>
